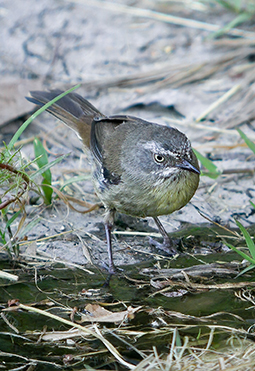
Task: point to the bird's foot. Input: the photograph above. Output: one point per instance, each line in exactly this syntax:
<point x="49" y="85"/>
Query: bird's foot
<point x="111" y="269"/>
<point x="166" y="245"/>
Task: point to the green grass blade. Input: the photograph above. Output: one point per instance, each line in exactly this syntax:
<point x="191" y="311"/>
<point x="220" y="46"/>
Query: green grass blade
<point x="178" y="340"/>
<point x="48" y="166"/>
<point x="248" y="239"/>
<point x="232" y="6"/>
<point x="42" y="158"/>
<point x="2" y="238"/>
<point x="11" y="220"/>
<point x="249" y="143"/>
<point x="245" y="270"/>
<point x="38" y="112"/>
<point x="75" y="179"/>
<point x="29" y="226"/>
<point x="47" y="190"/>
<point x="241" y="253"/>
<point x="213" y="171"/>
<point x="252" y="204"/>
<point x="240" y="18"/>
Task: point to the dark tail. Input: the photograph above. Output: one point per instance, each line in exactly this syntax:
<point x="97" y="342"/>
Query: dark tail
<point x="75" y="111"/>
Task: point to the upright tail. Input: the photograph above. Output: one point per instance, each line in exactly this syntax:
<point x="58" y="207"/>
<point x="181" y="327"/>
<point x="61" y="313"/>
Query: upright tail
<point x="75" y="111"/>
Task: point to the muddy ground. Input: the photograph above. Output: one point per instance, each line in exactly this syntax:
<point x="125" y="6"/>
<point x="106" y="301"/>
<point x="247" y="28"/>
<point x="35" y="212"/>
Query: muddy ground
<point x="160" y="71"/>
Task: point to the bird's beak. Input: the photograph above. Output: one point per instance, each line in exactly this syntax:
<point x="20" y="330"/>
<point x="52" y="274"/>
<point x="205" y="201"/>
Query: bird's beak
<point x="186" y="165"/>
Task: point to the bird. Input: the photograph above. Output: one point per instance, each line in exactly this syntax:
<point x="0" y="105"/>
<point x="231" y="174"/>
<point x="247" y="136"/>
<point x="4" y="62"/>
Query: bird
<point x="139" y="168"/>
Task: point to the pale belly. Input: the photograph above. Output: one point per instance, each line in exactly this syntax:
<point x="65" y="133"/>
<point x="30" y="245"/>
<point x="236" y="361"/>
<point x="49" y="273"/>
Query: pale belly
<point x="141" y="200"/>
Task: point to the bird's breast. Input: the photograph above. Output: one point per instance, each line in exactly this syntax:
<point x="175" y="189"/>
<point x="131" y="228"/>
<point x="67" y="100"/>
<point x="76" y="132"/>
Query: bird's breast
<point x="145" y="198"/>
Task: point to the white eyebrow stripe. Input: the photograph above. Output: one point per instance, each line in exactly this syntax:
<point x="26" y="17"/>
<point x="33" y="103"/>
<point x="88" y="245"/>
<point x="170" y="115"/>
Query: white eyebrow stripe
<point x="154" y="147"/>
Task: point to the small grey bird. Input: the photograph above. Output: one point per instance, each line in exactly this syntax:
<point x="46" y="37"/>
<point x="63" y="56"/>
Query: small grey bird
<point x="139" y="168"/>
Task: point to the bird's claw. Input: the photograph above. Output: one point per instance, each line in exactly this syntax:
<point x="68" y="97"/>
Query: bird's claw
<point x="166" y="246"/>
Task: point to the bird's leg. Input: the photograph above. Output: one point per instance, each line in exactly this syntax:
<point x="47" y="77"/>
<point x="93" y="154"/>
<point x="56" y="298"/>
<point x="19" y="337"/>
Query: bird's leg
<point x="167" y="244"/>
<point x="108" y="228"/>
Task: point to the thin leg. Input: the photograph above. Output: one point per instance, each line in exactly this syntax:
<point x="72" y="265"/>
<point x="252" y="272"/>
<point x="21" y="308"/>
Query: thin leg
<point x="162" y="231"/>
<point x="167" y="244"/>
<point x="108" y="229"/>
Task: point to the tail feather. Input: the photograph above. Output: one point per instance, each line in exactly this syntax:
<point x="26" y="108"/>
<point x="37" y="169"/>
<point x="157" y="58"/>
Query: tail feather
<point x="75" y="111"/>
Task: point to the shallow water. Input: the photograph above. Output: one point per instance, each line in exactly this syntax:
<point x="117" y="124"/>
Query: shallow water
<point x="58" y="289"/>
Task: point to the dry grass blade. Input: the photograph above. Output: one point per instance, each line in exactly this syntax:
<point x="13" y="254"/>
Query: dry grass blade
<point x="186" y="357"/>
<point x="66" y="200"/>
<point x="191" y="286"/>
<point x="205" y="319"/>
<point x="176" y="75"/>
<point x="220" y="101"/>
<point x="85" y="249"/>
<point x="5" y="319"/>
<point x="83" y="329"/>
<point x="162" y="17"/>
<point x="31" y="259"/>
<point x="26" y="179"/>
<point x="234" y="233"/>
<point x="179" y="75"/>
<point x="231" y="358"/>
<point x="203" y="127"/>
<point x="31" y="362"/>
<point x="17" y="235"/>
<point x="8" y="276"/>
<point x="243" y="106"/>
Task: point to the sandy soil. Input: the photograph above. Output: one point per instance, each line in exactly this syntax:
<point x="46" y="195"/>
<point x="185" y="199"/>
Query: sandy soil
<point x="129" y="64"/>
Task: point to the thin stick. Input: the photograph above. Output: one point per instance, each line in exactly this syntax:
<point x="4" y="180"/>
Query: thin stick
<point x="96" y="334"/>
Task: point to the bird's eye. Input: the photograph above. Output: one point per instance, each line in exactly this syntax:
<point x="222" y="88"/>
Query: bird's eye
<point x="158" y="158"/>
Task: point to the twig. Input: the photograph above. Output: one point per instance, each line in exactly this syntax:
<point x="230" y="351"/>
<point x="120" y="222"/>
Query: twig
<point x="11" y="169"/>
